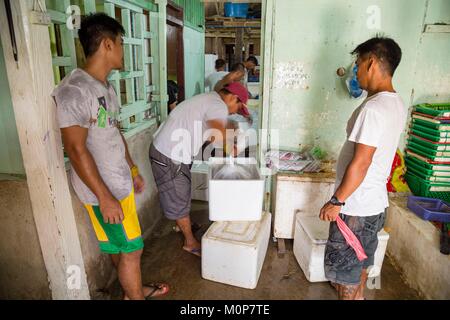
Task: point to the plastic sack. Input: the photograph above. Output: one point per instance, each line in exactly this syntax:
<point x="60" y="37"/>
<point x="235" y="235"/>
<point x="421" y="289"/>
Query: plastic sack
<point x="351" y="239"/>
<point x="233" y="172"/>
<point x="396" y="181"/>
<point x="353" y="85"/>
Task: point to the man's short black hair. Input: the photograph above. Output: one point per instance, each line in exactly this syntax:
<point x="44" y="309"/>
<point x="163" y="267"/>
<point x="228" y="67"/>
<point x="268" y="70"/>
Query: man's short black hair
<point x="253" y="59"/>
<point x="220" y="63"/>
<point x="94" y="28"/>
<point x="172" y="91"/>
<point x="385" y="49"/>
<point x="237" y="67"/>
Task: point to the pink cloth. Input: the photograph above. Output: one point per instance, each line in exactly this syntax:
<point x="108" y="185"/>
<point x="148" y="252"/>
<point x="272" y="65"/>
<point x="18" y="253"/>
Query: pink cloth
<point x="351" y="239"/>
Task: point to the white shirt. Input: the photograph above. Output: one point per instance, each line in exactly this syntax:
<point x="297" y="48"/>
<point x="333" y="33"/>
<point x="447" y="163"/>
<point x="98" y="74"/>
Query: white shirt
<point x="213" y="78"/>
<point x="181" y="137"/>
<point x="378" y="122"/>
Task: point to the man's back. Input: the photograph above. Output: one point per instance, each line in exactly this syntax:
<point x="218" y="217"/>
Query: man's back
<point x="181" y="136"/>
<point x="213" y="78"/>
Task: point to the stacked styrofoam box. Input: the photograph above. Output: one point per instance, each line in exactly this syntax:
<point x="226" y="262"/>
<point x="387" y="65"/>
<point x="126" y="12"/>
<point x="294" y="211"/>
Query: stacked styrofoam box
<point x="233" y="252"/>
<point x="199" y="181"/>
<point x="310" y="238"/>
<point x="235" y="200"/>
<point x="234" y="247"/>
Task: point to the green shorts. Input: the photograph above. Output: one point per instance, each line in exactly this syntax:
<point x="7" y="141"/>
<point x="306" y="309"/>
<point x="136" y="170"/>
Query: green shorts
<point x="116" y="238"/>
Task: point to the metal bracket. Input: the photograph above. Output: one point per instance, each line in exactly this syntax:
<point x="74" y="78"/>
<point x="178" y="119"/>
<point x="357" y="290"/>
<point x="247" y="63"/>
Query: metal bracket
<point x="41" y="16"/>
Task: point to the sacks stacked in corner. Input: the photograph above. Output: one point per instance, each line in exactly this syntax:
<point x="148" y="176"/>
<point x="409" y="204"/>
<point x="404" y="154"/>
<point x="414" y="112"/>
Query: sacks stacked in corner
<point x="428" y="151"/>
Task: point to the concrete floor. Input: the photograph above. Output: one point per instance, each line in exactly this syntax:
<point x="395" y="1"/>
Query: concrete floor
<point x="281" y="277"/>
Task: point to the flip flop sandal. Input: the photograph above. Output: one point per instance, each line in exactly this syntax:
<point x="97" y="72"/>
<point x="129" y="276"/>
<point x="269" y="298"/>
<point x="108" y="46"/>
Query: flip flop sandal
<point x="194" y="251"/>
<point x="156" y="287"/>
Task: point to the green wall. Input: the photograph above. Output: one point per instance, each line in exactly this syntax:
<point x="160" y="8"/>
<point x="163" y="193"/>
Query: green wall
<point x="10" y="154"/>
<point x="194" y="62"/>
<point x="194" y="13"/>
<point x="194" y="46"/>
<point x="317" y="36"/>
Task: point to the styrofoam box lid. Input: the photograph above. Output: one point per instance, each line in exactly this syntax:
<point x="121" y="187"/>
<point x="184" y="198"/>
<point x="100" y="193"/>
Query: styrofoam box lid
<point x="318" y="230"/>
<point x="200" y="167"/>
<point x="242" y="232"/>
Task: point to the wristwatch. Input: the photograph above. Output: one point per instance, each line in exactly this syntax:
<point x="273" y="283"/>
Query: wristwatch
<point x="335" y="202"/>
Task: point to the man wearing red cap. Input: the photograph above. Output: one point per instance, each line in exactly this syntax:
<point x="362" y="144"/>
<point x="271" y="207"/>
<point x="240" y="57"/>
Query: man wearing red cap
<point x="180" y="139"/>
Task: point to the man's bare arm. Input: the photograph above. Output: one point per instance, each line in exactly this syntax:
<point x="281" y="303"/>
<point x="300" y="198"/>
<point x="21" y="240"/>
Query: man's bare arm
<point x="220" y="133"/>
<point x="354" y="176"/>
<point x="356" y="171"/>
<point x="74" y="139"/>
<point x="138" y="181"/>
<point x="127" y="153"/>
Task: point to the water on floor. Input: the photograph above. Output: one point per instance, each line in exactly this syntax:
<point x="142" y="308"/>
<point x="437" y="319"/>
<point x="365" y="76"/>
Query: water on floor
<point x="281" y="277"/>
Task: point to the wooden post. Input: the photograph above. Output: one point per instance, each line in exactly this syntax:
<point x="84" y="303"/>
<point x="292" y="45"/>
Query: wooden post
<point x="238" y="45"/>
<point x="216" y="47"/>
<point x="31" y="82"/>
<point x="162" y="36"/>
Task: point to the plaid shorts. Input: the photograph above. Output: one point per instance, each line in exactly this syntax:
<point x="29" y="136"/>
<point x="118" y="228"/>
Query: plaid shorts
<point x="174" y="184"/>
<point x="341" y="263"/>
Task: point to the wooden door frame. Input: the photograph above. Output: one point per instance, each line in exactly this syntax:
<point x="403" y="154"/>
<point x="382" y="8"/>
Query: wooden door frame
<point x="174" y="18"/>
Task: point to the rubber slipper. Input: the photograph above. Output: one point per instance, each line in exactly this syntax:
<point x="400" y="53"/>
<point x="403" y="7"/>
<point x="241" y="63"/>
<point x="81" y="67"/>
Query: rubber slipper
<point x="194" y="251"/>
<point x="155" y="287"/>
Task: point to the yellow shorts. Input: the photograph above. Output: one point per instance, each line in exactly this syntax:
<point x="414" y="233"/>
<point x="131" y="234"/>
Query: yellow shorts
<point x="116" y="238"/>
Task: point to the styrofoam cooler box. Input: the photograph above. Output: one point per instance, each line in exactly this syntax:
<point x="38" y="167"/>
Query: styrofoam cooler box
<point x="199" y="181"/>
<point x="310" y="238"/>
<point x="235" y="200"/>
<point x="311" y="190"/>
<point x="233" y="252"/>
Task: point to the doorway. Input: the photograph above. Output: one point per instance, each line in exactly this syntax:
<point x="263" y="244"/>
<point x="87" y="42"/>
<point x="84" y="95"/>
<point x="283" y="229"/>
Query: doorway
<point x="175" y="54"/>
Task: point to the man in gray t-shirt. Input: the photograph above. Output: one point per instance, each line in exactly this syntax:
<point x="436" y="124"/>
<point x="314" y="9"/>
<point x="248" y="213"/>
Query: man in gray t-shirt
<point x="103" y="174"/>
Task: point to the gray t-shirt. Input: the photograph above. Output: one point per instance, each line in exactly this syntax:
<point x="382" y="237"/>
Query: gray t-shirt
<point x="83" y="101"/>
<point x="185" y="130"/>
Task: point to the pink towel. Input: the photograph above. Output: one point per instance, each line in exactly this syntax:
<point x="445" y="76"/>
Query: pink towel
<point x="351" y="239"/>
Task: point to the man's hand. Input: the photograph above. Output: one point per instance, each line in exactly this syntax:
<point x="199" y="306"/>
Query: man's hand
<point x="139" y="184"/>
<point x="111" y="210"/>
<point x="329" y="212"/>
<point x="234" y="153"/>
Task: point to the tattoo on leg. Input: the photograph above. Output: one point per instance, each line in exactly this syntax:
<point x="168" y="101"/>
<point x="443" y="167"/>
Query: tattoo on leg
<point x="347" y="292"/>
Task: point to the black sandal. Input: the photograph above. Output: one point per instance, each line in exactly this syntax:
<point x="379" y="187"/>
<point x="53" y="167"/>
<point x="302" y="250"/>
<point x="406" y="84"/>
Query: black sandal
<point x="156" y="287"/>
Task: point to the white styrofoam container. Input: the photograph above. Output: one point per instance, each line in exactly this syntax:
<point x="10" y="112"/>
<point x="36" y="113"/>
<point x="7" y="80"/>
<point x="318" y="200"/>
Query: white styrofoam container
<point x="311" y="192"/>
<point x="199" y="181"/>
<point x="233" y="252"/>
<point x="311" y="235"/>
<point x="235" y="200"/>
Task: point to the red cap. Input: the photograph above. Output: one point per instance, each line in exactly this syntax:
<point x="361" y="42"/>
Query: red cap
<point x="242" y="93"/>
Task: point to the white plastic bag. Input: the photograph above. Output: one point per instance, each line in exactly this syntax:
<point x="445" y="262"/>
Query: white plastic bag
<point x="233" y="172"/>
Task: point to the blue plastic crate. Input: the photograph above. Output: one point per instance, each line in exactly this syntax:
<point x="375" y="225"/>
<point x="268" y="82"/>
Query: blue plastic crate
<point x="236" y="10"/>
<point x="429" y="208"/>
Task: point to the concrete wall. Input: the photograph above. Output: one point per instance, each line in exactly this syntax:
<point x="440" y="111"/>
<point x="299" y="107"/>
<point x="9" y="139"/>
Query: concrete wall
<point x="309" y="103"/>
<point x="414" y="248"/>
<point x="194" y="62"/>
<point x="22" y="270"/>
